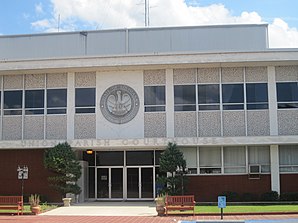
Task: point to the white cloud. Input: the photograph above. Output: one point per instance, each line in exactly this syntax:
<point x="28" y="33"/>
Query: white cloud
<point x="95" y="14"/>
<point x="281" y="35"/>
<point x="39" y="8"/>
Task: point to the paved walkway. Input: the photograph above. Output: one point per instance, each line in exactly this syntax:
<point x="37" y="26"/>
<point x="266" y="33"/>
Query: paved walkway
<point x="131" y="212"/>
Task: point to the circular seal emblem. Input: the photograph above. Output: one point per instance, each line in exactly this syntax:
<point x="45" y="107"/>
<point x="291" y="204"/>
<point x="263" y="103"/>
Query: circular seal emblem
<point x="119" y="104"/>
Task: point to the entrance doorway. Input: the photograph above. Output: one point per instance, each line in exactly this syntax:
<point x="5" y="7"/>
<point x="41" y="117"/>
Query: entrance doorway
<point x="110" y="183"/>
<point x="140" y="183"/>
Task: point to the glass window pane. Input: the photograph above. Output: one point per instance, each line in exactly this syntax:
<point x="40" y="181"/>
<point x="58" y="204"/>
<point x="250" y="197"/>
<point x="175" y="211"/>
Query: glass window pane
<point x="287" y="105"/>
<point x="13" y="99"/>
<point x="210" y="156"/>
<point x="85" y="110"/>
<point x="34" y="99"/>
<point x="259" y="155"/>
<point x="155" y="109"/>
<point x="56" y="111"/>
<point x="35" y="112"/>
<point x="233" y="107"/>
<point x="232" y="93"/>
<point x="208" y="107"/>
<point x="288" y="155"/>
<point x="56" y="98"/>
<point x="256" y="92"/>
<point x="185" y="108"/>
<point x="85" y="97"/>
<point x="184" y="94"/>
<point x="139" y="158"/>
<point x="190" y="155"/>
<point x="115" y="158"/>
<point x="287" y="92"/>
<point x="234" y="156"/>
<point x="257" y="106"/>
<point x="154" y="95"/>
<point x="157" y="156"/>
<point x="208" y="93"/>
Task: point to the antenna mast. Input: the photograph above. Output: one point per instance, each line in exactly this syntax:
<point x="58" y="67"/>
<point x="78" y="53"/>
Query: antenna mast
<point x="147" y="13"/>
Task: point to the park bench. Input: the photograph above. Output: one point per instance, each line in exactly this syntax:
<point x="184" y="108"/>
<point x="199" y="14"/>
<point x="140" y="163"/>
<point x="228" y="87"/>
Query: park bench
<point x="12" y="203"/>
<point x="180" y="203"/>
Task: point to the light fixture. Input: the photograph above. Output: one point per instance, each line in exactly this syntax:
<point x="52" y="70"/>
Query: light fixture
<point x="89" y="151"/>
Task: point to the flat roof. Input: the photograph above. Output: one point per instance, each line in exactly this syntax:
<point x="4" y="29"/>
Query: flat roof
<point x="148" y="40"/>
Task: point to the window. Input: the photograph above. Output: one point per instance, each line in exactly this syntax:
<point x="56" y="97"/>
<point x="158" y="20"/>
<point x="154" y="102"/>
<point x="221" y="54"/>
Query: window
<point x="134" y="158"/>
<point x="190" y="155"/>
<point x="34" y="102"/>
<point x="288" y="158"/>
<point x="210" y="160"/>
<point x="232" y="96"/>
<point x="185" y="97"/>
<point x="208" y="96"/>
<point x="257" y="96"/>
<point x="105" y="158"/>
<point x="13" y="102"/>
<point x="287" y="95"/>
<point x="259" y="155"/>
<point x="234" y="160"/>
<point x="155" y="98"/>
<point x="85" y="100"/>
<point x="56" y="101"/>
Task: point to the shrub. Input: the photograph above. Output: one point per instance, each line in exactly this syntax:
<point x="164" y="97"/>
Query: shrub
<point x="289" y="196"/>
<point x="231" y="196"/>
<point x="270" y="196"/>
<point x="247" y="197"/>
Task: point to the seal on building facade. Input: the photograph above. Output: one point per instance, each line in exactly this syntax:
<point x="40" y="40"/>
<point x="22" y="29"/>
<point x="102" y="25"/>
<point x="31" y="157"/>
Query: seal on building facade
<point x="119" y="104"/>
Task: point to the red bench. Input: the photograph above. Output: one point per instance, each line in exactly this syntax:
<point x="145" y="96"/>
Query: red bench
<point x="12" y="203"/>
<point x="179" y="203"/>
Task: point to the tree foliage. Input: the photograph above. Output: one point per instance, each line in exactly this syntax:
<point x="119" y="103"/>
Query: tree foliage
<point x="62" y="161"/>
<point x="169" y="160"/>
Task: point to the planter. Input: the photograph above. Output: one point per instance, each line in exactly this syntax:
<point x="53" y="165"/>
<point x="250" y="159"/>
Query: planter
<point x="35" y="210"/>
<point x="160" y="209"/>
<point x="66" y="201"/>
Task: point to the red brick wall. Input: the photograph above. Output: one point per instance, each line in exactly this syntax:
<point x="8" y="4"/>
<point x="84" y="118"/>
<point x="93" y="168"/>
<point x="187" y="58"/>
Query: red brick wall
<point x="288" y="183"/>
<point x="207" y="188"/>
<point x="37" y="182"/>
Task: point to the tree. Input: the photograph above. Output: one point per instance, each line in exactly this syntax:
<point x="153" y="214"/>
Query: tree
<point x="169" y="160"/>
<point x="62" y="161"/>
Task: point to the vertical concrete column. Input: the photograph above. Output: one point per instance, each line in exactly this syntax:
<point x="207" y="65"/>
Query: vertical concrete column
<point x="170" y="102"/>
<point x="70" y="105"/>
<point x="272" y="99"/>
<point x="274" y="163"/>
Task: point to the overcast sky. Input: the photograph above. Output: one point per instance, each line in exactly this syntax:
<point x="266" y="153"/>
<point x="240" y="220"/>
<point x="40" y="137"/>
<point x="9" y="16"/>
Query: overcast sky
<point x="36" y="16"/>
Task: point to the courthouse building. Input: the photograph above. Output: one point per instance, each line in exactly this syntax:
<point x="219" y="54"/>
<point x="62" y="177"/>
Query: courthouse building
<point x="228" y="100"/>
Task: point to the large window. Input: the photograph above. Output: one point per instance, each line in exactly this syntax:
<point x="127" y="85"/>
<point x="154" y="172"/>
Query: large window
<point x="56" y="101"/>
<point x="85" y="100"/>
<point x="155" y="98"/>
<point x="208" y="96"/>
<point x="232" y="96"/>
<point x="288" y="158"/>
<point x="185" y="97"/>
<point x="210" y="160"/>
<point x="257" y="96"/>
<point x="234" y="160"/>
<point x="13" y="102"/>
<point x="259" y="155"/>
<point x="34" y="102"/>
<point x="287" y="95"/>
<point x="190" y="155"/>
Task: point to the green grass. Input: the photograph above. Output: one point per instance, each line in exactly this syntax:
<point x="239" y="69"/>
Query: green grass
<point x="247" y="209"/>
<point x="44" y="207"/>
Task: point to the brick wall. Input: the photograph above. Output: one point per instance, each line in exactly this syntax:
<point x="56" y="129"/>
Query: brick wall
<point x="37" y="182"/>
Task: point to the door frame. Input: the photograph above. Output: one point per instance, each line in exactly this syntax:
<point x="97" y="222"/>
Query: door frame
<point x="109" y="183"/>
<point x="140" y="182"/>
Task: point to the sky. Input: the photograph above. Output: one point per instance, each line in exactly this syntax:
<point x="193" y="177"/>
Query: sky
<point x="39" y="16"/>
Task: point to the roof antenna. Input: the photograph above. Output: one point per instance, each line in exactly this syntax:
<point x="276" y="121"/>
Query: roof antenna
<point x="58" y="22"/>
<point x="146" y="13"/>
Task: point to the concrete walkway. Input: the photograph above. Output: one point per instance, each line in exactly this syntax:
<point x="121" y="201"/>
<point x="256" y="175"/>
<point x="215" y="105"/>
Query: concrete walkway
<point x="106" y="209"/>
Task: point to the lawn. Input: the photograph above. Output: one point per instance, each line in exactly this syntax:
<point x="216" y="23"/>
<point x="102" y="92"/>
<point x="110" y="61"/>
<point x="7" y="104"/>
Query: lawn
<point x="247" y="209"/>
<point x="44" y="208"/>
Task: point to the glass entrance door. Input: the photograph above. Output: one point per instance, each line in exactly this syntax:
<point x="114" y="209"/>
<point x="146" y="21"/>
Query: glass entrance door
<point x="110" y="183"/>
<point x="139" y="182"/>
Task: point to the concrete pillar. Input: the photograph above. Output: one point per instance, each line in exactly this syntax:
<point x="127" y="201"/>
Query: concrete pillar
<point x="70" y="105"/>
<point x="274" y="163"/>
<point x="170" y="102"/>
<point x="272" y="100"/>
